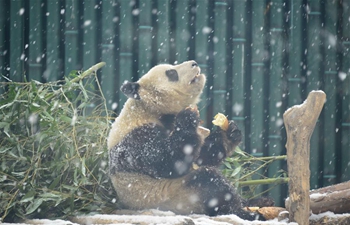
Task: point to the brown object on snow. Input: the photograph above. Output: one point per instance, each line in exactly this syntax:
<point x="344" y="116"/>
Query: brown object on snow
<point x="300" y="122"/>
<point x="270" y="213"/>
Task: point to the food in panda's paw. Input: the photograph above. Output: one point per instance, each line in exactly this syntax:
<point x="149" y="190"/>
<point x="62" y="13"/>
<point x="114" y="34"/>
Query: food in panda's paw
<point x="221" y="121"/>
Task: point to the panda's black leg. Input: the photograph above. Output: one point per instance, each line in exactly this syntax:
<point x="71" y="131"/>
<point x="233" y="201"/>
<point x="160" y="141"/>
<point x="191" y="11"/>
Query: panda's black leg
<point x="217" y="195"/>
<point x="219" y="144"/>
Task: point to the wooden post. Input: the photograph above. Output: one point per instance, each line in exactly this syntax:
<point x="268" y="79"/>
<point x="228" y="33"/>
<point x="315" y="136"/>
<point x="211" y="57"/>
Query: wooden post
<point x="300" y="122"/>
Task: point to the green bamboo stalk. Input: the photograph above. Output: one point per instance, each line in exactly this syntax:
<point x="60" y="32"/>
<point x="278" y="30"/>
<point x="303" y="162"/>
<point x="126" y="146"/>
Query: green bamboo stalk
<point x="89" y="71"/>
<point x="256" y="170"/>
<point x="273" y="158"/>
<point x="278" y="180"/>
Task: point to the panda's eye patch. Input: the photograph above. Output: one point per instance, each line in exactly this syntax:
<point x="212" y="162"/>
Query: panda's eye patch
<point x="172" y="75"/>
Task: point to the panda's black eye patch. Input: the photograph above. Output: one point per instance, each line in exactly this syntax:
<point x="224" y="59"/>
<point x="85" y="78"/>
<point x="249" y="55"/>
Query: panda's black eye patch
<point x="172" y="75"/>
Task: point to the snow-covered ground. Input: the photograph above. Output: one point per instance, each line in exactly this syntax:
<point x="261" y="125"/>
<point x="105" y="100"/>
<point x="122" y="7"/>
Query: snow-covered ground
<point x="155" y="217"/>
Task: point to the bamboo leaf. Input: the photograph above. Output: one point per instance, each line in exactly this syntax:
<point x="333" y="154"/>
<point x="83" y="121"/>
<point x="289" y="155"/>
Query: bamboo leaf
<point x="236" y="171"/>
<point x="83" y="169"/>
<point x="33" y="206"/>
<point x="28" y="197"/>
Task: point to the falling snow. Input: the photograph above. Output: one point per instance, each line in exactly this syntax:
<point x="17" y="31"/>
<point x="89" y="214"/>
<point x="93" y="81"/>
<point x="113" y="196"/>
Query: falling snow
<point x="21" y="11"/>
<point x="342" y="76"/>
<point x="87" y="23"/>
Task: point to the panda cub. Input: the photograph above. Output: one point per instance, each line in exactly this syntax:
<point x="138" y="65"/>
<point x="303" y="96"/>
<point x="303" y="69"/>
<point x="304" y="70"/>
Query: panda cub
<point x="155" y="140"/>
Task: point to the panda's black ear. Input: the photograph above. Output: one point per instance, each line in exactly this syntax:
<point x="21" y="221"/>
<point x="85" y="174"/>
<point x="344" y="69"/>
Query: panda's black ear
<point x="131" y="89"/>
<point x="172" y="75"/>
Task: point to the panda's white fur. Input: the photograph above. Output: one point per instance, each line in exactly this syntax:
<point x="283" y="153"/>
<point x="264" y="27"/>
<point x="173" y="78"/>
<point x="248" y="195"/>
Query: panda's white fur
<point x="159" y="97"/>
<point x="149" y="166"/>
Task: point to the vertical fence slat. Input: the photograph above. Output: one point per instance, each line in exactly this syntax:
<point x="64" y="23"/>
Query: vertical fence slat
<point x="338" y="96"/>
<point x="182" y="35"/>
<point x="257" y="79"/>
<point x="4" y="42"/>
<point x="201" y="47"/>
<point x="210" y="64"/>
<point x="274" y="98"/>
<point x="247" y="73"/>
<point x="126" y="40"/>
<point x="3" y="10"/>
<point x="313" y="81"/>
<point x="71" y="50"/>
<point x="53" y="35"/>
<point x="162" y="32"/>
<point x="238" y="56"/>
<point x="257" y="129"/>
<point x="4" y="51"/>
<point x="330" y="88"/>
<point x="17" y="56"/>
<point x="344" y="76"/>
<point x="294" y="79"/>
<point x="229" y="60"/>
<point x="145" y="37"/>
<point x="35" y="61"/>
<point x="220" y="69"/>
<point x="109" y="79"/>
<point x="89" y="24"/>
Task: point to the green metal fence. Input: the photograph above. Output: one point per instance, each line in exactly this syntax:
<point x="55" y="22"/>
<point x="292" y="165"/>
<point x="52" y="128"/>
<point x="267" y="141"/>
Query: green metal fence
<point x="260" y="57"/>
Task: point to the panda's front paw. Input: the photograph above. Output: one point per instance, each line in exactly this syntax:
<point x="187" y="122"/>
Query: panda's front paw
<point x="234" y="134"/>
<point x="188" y="118"/>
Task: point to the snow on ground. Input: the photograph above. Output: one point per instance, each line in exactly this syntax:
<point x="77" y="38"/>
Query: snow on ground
<point x="329" y="215"/>
<point x="155" y="217"/>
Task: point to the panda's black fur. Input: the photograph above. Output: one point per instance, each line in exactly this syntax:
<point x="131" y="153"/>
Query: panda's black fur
<point x="155" y="141"/>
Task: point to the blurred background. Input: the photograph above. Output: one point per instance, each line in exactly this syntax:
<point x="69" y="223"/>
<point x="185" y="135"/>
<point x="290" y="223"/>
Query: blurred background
<point x="260" y="57"/>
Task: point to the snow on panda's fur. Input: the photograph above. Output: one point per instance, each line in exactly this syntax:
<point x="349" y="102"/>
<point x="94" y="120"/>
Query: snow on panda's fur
<point x="154" y="142"/>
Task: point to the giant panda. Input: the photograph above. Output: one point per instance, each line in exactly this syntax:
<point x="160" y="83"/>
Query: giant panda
<point x="155" y="140"/>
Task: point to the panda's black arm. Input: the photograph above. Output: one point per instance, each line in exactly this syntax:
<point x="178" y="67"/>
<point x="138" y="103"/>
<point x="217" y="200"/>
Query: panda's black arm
<point x="152" y="150"/>
<point x="183" y="143"/>
<point x="218" y="145"/>
<point x="213" y="150"/>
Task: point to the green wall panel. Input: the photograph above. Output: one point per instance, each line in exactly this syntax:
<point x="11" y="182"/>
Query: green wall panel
<point x="260" y="57"/>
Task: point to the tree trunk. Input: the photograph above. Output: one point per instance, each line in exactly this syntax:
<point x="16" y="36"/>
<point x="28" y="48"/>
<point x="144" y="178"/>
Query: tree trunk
<point x="300" y="122"/>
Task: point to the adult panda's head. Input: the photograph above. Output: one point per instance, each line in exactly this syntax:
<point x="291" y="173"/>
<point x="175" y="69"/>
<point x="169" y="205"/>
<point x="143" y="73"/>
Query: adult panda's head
<point x="167" y="89"/>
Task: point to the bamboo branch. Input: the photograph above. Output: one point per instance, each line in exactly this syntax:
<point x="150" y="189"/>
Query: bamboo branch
<point x="89" y="71"/>
<point x="266" y="158"/>
<point x="278" y="180"/>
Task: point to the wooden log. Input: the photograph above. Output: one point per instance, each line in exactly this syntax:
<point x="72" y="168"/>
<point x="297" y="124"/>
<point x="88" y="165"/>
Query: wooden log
<point x="332" y="188"/>
<point x="300" y="122"/>
<point x="335" y="198"/>
<point x="337" y="202"/>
